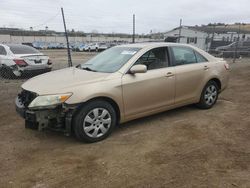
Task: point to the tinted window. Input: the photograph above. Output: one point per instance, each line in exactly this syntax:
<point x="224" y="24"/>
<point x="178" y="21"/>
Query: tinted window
<point x="154" y="59"/>
<point x="22" y="49"/>
<point x="200" y="58"/>
<point x="2" y="51"/>
<point x="183" y="55"/>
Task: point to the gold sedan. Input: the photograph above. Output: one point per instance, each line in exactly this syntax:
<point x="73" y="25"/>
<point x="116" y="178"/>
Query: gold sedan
<point x="121" y="84"/>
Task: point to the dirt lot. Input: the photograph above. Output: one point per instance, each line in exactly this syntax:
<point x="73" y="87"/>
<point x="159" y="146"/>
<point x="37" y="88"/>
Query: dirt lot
<point x="186" y="147"/>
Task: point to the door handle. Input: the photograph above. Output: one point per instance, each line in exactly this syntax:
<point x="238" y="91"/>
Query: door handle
<point x="206" y="67"/>
<point x="169" y="74"/>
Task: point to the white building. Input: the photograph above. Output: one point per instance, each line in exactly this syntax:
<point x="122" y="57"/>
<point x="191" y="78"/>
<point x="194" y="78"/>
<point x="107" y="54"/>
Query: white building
<point x="188" y="36"/>
<point x="201" y="37"/>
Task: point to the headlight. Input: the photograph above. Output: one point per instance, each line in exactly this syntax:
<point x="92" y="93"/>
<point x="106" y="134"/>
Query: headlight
<point x="49" y="100"/>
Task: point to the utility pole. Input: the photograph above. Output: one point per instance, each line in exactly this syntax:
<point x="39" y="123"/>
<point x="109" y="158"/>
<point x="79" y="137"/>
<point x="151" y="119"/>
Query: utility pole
<point x="46" y="29"/>
<point x="133" y="40"/>
<point x="179" y="38"/>
<point x="67" y="40"/>
<point x="212" y="39"/>
<point x="236" y="45"/>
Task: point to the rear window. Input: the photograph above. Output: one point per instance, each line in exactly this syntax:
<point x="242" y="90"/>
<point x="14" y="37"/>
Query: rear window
<point x="22" y="49"/>
<point x="2" y="51"/>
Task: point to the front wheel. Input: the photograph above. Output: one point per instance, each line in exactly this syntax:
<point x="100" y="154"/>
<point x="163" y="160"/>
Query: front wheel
<point x="95" y="121"/>
<point x="209" y="95"/>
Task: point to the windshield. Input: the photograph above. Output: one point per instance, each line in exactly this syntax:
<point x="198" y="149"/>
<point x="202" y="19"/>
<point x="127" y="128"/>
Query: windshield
<point x="23" y="49"/>
<point x="110" y="60"/>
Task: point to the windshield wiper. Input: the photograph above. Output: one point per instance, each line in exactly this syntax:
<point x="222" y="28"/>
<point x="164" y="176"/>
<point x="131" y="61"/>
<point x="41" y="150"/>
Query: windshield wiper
<point x="88" y="69"/>
<point x="85" y="68"/>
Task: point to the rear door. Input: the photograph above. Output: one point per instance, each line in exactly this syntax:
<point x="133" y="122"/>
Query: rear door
<point x="191" y="69"/>
<point x="145" y="92"/>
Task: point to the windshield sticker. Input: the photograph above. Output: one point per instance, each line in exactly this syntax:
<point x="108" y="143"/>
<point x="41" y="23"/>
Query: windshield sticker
<point x="127" y="52"/>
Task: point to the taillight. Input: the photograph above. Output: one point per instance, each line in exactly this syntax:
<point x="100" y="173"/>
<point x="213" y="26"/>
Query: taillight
<point x="20" y="62"/>
<point x="49" y="62"/>
<point x="226" y="66"/>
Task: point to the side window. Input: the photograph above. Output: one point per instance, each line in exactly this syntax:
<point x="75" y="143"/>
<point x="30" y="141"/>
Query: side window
<point x="200" y="58"/>
<point x="246" y="44"/>
<point x="2" y="51"/>
<point x="154" y="59"/>
<point x="183" y="55"/>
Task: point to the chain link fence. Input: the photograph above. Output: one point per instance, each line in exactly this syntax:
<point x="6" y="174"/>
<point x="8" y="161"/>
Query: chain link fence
<point x="10" y="83"/>
<point x="21" y="68"/>
<point x="24" y="67"/>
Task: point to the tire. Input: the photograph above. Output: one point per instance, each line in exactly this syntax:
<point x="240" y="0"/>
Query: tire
<point x="94" y="121"/>
<point x="209" y="95"/>
<point x="7" y="73"/>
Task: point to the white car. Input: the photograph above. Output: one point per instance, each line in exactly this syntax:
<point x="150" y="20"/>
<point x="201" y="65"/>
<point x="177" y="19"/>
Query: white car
<point x="96" y="47"/>
<point x="17" y="60"/>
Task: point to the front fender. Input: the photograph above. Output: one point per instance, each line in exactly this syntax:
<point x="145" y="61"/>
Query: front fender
<point x="109" y="89"/>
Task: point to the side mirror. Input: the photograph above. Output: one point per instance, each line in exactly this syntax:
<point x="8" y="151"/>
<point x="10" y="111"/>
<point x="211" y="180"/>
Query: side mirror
<point x="138" y="69"/>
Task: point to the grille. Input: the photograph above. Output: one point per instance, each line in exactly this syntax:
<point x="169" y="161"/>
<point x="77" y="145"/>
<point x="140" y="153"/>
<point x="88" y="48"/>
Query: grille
<point x="26" y="97"/>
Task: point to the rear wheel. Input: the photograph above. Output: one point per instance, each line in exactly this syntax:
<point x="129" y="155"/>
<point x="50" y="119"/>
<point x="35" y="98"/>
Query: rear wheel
<point x="7" y="73"/>
<point x="95" y="121"/>
<point x="209" y="95"/>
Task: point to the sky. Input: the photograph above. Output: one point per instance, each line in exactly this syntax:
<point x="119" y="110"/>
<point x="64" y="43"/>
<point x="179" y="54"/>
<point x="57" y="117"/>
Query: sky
<point x="115" y="16"/>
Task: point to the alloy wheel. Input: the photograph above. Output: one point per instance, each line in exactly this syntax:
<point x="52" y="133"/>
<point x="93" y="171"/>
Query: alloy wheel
<point x="210" y="95"/>
<point x="97" y="122"/>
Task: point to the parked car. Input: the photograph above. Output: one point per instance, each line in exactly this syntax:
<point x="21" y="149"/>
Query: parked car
<point x="61" y="46"/>
<point x="17" y="59"/>
<point x="40" y="45"/>
<point x="53" y="45"/>
<point x="91" y="47"/>
<point x="121" y="84"/>
<point x="243" y="48"/>
<point x="79" y="47"/>
<point x="96" y="47"/>
<point x="102" y="46"/>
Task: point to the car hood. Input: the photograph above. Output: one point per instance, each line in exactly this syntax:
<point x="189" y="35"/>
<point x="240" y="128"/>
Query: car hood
<point x="62" y="81"/>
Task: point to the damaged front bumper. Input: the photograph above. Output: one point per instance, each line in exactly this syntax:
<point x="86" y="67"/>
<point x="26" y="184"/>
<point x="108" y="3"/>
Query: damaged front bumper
<point x="58" y="118"/>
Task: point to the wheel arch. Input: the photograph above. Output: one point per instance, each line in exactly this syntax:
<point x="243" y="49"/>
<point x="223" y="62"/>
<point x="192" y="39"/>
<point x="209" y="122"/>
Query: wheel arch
<point x="102" y="98"/>
<point x="217" y="81"/>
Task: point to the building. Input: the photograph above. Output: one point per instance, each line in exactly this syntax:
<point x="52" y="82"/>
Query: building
<point x="206" y="37"/>
<point x="188" y="35"/>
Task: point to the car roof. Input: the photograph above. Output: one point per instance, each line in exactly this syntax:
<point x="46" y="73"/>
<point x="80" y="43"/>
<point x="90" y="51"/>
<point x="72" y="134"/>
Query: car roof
<point x="151" y="45"/>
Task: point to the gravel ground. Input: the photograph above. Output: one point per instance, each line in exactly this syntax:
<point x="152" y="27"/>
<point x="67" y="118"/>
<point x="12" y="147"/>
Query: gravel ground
<point x="185" y="147"/>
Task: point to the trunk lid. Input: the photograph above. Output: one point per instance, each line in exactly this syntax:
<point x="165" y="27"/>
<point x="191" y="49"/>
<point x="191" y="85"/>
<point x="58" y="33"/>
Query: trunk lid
<point x="34" y="59"/>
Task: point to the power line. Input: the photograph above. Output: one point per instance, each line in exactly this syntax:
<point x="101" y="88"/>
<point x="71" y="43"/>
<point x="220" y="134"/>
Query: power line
<point x="47" y="21"/>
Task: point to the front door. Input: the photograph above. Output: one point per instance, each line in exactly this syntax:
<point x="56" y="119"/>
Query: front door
<point x="150" y="91"/>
